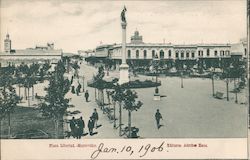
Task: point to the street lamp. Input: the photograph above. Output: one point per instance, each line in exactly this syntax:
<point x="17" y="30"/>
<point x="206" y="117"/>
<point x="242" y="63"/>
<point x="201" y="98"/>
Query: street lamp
<point x="227" y="81"/>
<point x="155" y="64"/>
<point x="83" y="82"/>
<point x="233" y="71"/>
<point x="182" y="79"/>
<point x="212" y="77"/>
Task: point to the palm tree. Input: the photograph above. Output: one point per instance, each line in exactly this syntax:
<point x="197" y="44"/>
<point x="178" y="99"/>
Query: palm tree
<point x="130" y="104"/>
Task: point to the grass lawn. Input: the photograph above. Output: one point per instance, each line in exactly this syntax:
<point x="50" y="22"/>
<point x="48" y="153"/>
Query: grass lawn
<point x="24" y="119"/>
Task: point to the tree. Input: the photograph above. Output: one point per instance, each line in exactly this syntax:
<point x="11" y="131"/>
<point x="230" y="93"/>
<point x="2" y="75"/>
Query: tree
<point x="100" y="85"/>
<point x="131" y="104"/>
<point x="118" y="95"/>
<point x="8" y="101"/>
<point x="55" y="104"/>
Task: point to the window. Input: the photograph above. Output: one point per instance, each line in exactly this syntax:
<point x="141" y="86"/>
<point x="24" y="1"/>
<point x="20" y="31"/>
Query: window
<point x="176" y="54"/>
<point x="192" y="54"/>
<point x="145" y="54"/>
<point x="182" y="54"/>
<point x="169" y="53"/>
<point x="129" y="54"/>
<point x="215" y="53"/>
<point x="208" y="52"/>
<point x="200" y="53"/>
<point x="245" y="51"/>
<point x="137" y="54"/>
<point x="161" y="54"/>
<point x="227" y="52"/>
<point x="187" y="54"/>
<point x="153" y="53"/>
<point x="221" y="53"/>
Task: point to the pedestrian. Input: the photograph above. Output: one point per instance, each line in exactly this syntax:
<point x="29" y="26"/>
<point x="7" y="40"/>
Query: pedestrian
<point x="91" y="125"/>
<point x="73" y="89"/>
<point x="81" y="125"/>
<point x="158" y="116"/>
<point x="72" y="78"/>
<point x="72" y="125"/>
<point x="87" y="96"/>
<point x="77" y="130"/>
<point x="95" y="117"/>
<point x="78" y="89"/>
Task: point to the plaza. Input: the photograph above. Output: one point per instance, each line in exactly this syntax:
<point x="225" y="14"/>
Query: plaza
<point x="189" y="112"/>
<point x="200" y="89"/>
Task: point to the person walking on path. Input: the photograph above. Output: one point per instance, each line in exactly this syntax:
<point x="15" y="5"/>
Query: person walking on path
<point x="87" y="96"/>
<point x="72" y="125"/>
<point x="95" y="117"/>
<point x="158" y="117"/>
<point x="91" y="125"/>
<point x="73" y="89"/>
<point x="81" y="125"/>
<point x="72" y="78"/>
<point x="78" y="89"/>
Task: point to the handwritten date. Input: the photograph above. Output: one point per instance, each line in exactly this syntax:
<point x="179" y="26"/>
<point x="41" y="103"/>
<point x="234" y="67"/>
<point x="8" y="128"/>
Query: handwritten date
<point x="142" y="151"/>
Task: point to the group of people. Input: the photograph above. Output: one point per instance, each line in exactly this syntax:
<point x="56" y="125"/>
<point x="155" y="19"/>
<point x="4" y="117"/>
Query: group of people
<point x="76" y="89"/>
<point x="77" y="125"/>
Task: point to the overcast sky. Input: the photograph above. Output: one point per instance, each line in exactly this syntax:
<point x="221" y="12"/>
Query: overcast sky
<point x="81" y="25"/>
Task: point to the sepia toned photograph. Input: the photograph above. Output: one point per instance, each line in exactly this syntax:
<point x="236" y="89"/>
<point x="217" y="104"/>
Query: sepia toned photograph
<point x="123" y="69"/>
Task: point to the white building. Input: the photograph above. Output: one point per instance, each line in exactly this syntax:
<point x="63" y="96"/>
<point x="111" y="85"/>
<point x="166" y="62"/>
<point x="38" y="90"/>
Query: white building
<point x="29" y="55"/>
<point x="137" y="50"/>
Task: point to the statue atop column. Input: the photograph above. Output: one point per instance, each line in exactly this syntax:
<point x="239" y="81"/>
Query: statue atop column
<point x="123" y="18"/>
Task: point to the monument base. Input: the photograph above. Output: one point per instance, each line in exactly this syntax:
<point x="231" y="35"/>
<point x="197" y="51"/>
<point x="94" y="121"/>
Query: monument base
<point x="157" y="97"/>
<point x="124" y="74"/>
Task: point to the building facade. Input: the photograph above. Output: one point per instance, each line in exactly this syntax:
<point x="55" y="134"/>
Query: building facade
<point x="39" y="54"/>
<point x="143" y="53"/>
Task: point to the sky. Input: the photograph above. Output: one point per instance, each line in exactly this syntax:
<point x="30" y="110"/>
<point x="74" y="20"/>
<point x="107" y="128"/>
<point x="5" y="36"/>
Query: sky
<point x="81" y="25"/>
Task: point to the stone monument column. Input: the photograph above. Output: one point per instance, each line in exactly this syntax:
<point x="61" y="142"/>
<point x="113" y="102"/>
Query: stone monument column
<point x="124" y="74"/>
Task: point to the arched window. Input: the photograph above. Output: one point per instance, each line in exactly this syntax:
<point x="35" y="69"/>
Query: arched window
<point x="169" y="53"/>
<point x="215" y="53"/>
<point x="221" y="53"/>
<point x="208" y="52"/>
<point x="145" y="54"/>
<point x="153" y="53"/>
<point x="182" y="54"/>
<point x="192" y="54"/>
<point x="187" y="54"/>
<point x="161" y="54"/>
<point x="176" y="54"/>
<point x="137" y="54"/>
<point x="227" y="52"/>
<point x="129" y="54"/>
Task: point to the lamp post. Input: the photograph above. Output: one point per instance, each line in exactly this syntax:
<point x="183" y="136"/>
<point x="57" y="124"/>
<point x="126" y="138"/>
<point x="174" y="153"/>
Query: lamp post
<point x="212" y="77"/>
<point x="233" y="71"/>
<point x="182" y="79"/>
<point x="155" y="65"/>
<point x="83" y="83"/>
<point x="227" y="81"/>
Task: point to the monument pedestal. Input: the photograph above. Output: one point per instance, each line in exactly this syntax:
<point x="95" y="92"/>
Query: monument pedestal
<point x="124" y="74"/>
<point x="157" y="97"/>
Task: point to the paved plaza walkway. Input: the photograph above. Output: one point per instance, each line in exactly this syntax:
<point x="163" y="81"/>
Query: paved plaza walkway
<point x="189" y="112"/>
